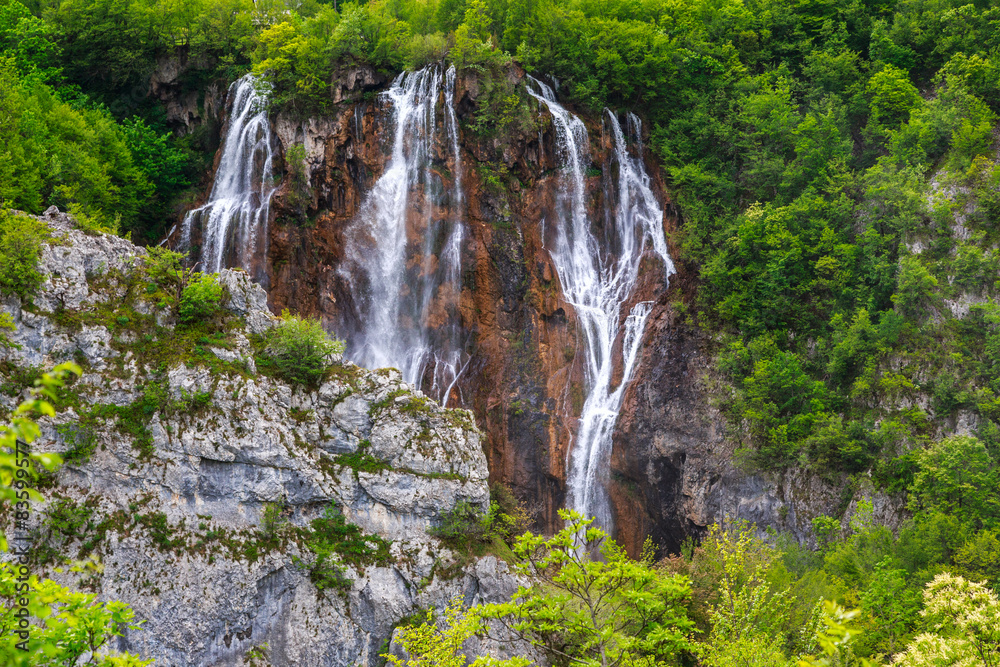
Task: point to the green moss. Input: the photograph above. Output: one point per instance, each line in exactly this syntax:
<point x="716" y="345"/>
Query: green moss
<point x="347" y="373"/>
<point x="301" y="416"/>
<point x="458" y="418"/>
<point x="361" y="461"/>
<point x="133" y="419"/>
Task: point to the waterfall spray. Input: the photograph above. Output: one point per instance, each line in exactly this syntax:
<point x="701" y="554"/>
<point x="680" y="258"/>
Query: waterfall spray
<point x="599" y="284"/>
<point x="234" y="221"/>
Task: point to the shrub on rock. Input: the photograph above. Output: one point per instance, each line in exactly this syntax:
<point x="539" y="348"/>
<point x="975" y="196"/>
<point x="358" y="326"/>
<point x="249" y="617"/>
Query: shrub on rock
<point x="21" y="240"/>
<point x="201" y="299"/>
<point x="299" y="350"/>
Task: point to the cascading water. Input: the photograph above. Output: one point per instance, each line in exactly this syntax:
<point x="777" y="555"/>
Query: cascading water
<point x="403" y="256"/>
<point x="598" y="282"/>
<point x="234" y="221"/>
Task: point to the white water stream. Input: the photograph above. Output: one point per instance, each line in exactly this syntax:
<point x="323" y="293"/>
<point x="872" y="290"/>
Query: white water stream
<point x="234" y="221"/>
<point x="404" y="246"/>
<point x="598" y="280"/>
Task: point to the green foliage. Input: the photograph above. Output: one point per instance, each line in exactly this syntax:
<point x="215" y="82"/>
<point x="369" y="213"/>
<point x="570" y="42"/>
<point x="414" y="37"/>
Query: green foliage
<point x="21" y="240"/>
<point x="273" y="521"/>
<point x="110" y="46"/>
<point x="468" y="529"/>
<point x="201" y="298"/>
<point x="592" y="604"/>
<point x="55" y="153"/>
<point x="82" y="441"/>
<point x="427" y="49"/>
<point x="297" y="57"/>
<point x="371" y="33"/>
<point x="824" y="528"/>
<point x="30" y="42"/>
<point x="299" y="195"/>
<point x="17" y="472"/>
<point x="957" y="476"/>
<point x="334" y="541"/>
<point x="299" y="350"/>
<point x="295" y="66"/>
<point x="62" y="148"/>
<point x="72" y="625"/>
<point x="916" y="286"/>
<point x="890" y="609"/>
<point x="167" y="274"/>
<point x="461" y="526"/>
<point x="94" y="224"/>
<point x="7" y="325"/>
<point x="474" y="47"/>
<point x="748" y="604"/>
<point x="893" y="98"/>
<point x="508" y="518"/>
<point x="502" y="108"/>
<point x="979" y="558"/>
<point x="439" y="642"/>
<point x="835" y="639"/>
<point x="166" y="166"/>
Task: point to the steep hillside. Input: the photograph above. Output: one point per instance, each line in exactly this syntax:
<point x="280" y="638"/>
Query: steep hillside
<point x="203" y="487"/>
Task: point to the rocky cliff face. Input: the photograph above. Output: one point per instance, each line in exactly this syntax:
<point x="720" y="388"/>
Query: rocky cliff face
<point x="672" y="469"/>
<point x="176" y="445"/>
<point x="525" y="380"/>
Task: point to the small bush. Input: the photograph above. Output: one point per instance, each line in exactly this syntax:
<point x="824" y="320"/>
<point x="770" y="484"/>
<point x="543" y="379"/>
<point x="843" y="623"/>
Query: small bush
<point x="335" y="541"/>
<point x="201" y="299"/>
<point x="273" y="521"/>
<point x="299" y="196"/>
<point x="7" y="327"/>
<point x="466" y="528"/>
<point x="508" y="517"/>
<point x="462" y="526"/>
<point x="96" y="223"/>
<point x="21" y="240"/>
<point x="299" y="351"/>
<point x="164" y="266"/>
<point x="82" y="442"/>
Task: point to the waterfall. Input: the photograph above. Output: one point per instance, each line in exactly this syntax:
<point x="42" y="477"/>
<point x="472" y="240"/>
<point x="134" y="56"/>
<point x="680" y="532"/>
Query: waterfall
<point x="234" y="221"/>
<point x="598" y="282"/>
<point x="403" y="254"/>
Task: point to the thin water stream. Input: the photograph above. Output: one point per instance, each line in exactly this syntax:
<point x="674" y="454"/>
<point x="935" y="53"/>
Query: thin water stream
<point x="598" y="279"/>
<point x="234" y="220"/>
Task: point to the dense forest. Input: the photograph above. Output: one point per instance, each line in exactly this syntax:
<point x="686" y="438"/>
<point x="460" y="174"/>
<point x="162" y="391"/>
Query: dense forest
<point x="834" y="163"/>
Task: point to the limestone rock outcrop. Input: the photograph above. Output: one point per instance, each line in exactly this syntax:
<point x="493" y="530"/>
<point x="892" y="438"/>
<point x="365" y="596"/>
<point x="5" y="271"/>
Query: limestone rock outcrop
<point x="176" y="444"/>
